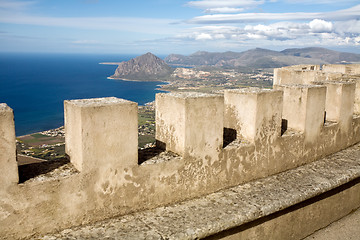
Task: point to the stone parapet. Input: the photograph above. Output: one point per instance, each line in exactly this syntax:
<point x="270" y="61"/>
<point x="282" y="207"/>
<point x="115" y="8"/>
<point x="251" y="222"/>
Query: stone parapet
<point x="254" y="113"/>
<point x="190" y="124"/>
<point x="329" y="75"/>
<point x="304" y="109"/>
<point x="339" y="105"/>
<point x="101" y="133"/>
<point x="101" y="140"/>
<point x="8" y="165"/>
<point x="351" y="69"/>
<point x="288" y="205"/>
<point x="284" y="76"/>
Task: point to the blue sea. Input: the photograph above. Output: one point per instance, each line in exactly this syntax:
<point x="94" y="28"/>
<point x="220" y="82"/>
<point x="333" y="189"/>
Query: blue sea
<point x="35" y="86"/>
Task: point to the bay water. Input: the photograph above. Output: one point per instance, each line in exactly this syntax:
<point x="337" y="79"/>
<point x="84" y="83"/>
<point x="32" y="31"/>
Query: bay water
<point x="35" y="86"/>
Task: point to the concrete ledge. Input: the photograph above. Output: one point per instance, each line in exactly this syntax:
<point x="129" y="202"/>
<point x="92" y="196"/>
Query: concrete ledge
<point x="247" y="209"/>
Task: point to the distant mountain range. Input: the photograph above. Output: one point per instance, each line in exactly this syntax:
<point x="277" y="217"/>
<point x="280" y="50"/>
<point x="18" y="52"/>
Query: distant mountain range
<point x="146" y="67"/>
<point x="149" y="67"/>
<point x="263" y="58"/>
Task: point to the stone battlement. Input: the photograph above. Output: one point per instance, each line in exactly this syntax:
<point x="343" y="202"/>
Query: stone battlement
<point x="304" y="118"/>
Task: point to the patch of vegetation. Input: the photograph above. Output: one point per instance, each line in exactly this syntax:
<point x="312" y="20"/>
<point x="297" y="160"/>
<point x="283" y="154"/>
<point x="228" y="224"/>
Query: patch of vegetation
<point x="145" y="139"/>
<point x="39" y="136"/>
<point x="146" y="125"/>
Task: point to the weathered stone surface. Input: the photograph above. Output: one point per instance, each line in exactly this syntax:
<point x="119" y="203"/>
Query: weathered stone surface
<point x="112" y="183"/>
<point x="182" y="123"/>
<point x="340" y="98"/>
<point x="346" y="228"/>
<point x="342" y="68"/>
<point x="101" y="132"/>
<point x="304" y="109"/>
<point x="254" y="113"/>
<point x="232" y="207"/>
<point x="8" y="166"/>
<point x="124" y="228"/>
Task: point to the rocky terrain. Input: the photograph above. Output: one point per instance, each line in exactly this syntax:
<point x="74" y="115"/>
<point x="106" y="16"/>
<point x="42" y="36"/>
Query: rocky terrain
<point x="147" y="67"/>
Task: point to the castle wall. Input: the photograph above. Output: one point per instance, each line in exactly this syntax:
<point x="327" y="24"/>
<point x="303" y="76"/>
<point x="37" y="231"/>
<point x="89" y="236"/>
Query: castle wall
<point x="253" y="112"/>
<point x="8" y="165"/>
<point x="304" y="109"/>
<point x="339" y="102"/>
<point x="283" y="76"/>
<point x="188" y="131"/>
<point x="309" y="74"/>
<point x="101" y="138"/>
<point x="357" y="96"/>
<point x="353" y="69"/>
<point x="101" y="133"/>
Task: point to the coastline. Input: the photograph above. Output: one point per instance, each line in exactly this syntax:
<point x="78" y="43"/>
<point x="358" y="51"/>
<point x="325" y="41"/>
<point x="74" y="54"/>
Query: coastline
<point x="159" y="87"/>
<point x="110" y="63"/>
<point x="135" y="80"/>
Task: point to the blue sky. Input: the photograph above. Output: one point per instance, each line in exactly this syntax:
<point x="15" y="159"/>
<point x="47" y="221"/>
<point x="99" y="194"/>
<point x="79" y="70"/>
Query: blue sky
<point x="175" y="26"/>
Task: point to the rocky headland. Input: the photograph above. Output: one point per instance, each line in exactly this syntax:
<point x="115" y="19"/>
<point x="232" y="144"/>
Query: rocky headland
<point x="147" y="67"/>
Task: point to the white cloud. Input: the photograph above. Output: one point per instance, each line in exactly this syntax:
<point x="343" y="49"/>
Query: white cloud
<point x="224" y="10"/>
<point x="203" y="36"/>
<point x="85" y="42"/>
<point x="357" y="40"/>
<point x="340" y="27"/>
<point x="255" y="36"/>
<point x="310" y="33"/>
<point x="319" y="26"/>
<point x="346" y="14"/>
<point x="205" y="4"/>
<point x="352" y="27"/>
<point x="225" y="6"/>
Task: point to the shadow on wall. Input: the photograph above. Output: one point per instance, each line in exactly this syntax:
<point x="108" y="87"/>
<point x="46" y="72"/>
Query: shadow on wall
<point x="229" y="136"/>
<point x="33" y="170"/>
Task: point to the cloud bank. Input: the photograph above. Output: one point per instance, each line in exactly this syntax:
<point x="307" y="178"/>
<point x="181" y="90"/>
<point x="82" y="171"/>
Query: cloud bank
<point x="317" y="31"/>
<point x="333" y="28"/>
<point x="341" y="15"/>
<point x="221" y="25"/>
<point x="224" y="6"/>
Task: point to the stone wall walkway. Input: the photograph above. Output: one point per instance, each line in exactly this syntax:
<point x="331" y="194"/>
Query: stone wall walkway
<point x="228" y="208"/>
<point x="347" y="228"/>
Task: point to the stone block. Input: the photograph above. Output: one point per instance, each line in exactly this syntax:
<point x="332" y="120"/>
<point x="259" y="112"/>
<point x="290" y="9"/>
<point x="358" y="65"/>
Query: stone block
<point x="254" y="113"/>
<point x="339" y="106"/>
<point x="357" y="97"/>
<point x="284" y="76"/>
<point x="101" y="132"/>
<point x="304" y="108"/>
<point x="8" y="165"/>
<point x="190" y="124"/>
<point x="334" y="68"/>
<point x="352" y="69"/>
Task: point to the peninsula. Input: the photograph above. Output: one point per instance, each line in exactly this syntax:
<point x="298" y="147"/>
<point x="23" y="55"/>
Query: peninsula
<point x="147" y="67"/>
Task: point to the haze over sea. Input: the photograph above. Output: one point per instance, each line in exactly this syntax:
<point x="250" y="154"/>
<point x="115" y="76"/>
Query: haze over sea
<point x="35" y="86"/>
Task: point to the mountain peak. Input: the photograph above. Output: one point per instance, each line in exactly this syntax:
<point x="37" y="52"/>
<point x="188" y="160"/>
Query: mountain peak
<point x="148" y="54"/>
<point x="199" y="53"/>
<point x="146" y="67"/>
